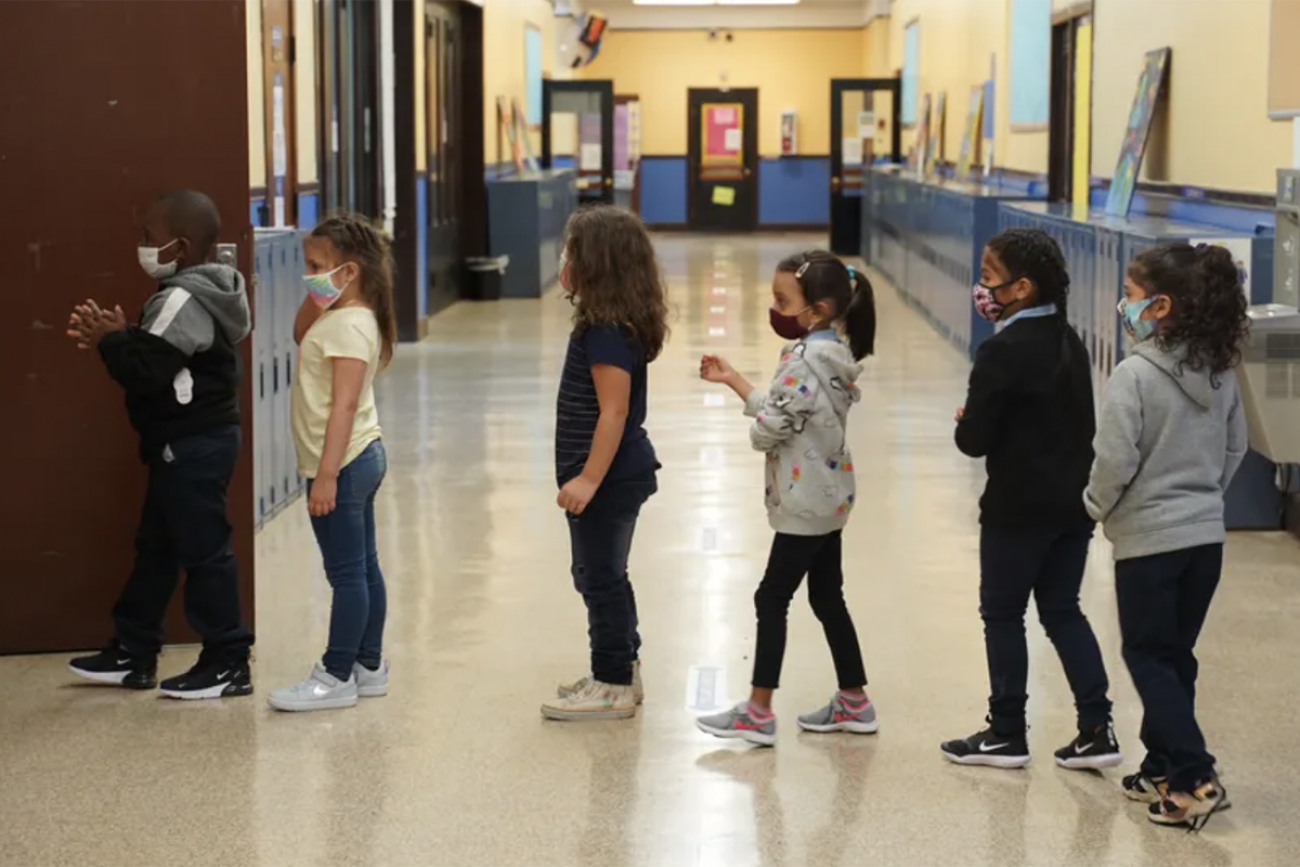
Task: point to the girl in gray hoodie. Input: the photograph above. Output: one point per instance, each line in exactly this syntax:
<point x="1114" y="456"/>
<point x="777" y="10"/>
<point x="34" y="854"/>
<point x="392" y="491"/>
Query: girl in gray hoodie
<point x="800" y="424"/>
<point x="1170" y="437"/>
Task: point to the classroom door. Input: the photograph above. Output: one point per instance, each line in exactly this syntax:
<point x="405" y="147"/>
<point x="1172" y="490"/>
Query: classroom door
<point x="279" y="99"/>
<point x="352" y="178"/>
<point x="180" y="120"/>
<point x="864" y="126"/>
<point x="443" y="113"/>
<point x="722" y="165"/>
<point x="578" y="131"/>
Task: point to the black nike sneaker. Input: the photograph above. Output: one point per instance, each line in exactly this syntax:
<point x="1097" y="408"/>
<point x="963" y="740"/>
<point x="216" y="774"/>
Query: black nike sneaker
<point x="1092" y="751"/>
<point x="987" y="748"/>
<point x="115" y="666"/>
<point x="211" y="677"/>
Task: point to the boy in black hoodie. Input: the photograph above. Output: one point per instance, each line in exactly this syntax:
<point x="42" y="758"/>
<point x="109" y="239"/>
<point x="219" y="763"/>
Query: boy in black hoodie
<point x="180" y="369"/>
<point x="1029" y="412"/>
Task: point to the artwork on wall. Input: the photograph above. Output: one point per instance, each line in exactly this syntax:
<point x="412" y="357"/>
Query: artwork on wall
<point x="1030" y="63"/>
<point x="524" y="154"/>
<point x="918" y="160"/>
<point x="971" y="135"/>
<point x="934" y="152"/>
<point x="1133" y="149"/>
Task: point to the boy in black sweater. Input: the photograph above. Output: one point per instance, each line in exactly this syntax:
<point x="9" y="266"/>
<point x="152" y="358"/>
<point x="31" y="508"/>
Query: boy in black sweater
<point x="180" y="369"/>
<point x="1029" y="412"/>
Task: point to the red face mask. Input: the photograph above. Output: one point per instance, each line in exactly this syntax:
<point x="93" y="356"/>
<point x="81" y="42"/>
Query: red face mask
<point x="787" y="327"/>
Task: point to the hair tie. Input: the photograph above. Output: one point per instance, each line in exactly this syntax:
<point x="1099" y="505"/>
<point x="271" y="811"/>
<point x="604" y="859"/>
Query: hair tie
<point x="852" y="273"/>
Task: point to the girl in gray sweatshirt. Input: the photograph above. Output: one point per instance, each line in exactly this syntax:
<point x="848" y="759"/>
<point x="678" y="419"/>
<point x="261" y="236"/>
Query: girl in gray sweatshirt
<point x="1170" y="437"/>
<point x="800" y="424"/>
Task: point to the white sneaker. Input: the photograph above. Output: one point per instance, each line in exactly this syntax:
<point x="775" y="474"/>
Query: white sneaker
<point x="371" y="684"/>
<point x="565" y="690"/>
<point x="320" y="691"/>
<point x="595" y="701"/>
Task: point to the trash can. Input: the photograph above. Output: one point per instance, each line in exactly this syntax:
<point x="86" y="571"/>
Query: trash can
<point x="486" y="274"/>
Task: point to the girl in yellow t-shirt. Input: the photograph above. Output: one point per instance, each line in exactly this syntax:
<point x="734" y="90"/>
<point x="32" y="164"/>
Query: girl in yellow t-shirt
<point x="345" y="332"/>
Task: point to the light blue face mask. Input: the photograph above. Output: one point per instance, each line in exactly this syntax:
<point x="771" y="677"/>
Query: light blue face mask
<point x="1130" y="313"/>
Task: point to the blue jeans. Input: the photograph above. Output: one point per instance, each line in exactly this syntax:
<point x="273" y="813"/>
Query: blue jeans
<point x="601" y="540"/>
<point x="347" y="545"/>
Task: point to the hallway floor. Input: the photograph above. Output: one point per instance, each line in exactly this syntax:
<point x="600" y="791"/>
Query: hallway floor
<point x="456" y="766"/>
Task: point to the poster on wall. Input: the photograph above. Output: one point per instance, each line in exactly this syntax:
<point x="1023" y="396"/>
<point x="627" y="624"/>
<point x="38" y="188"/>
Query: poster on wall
<point x="971" y="135"/>
<point x="723" y="135"/>
<point x="1133" y="148"/>
<point x="523" y="137"/>
<point x="934" y="153"/>
<point x="918" y="158"/>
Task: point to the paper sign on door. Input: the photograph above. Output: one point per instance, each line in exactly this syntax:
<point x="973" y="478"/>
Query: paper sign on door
<point x="724" y="196"/>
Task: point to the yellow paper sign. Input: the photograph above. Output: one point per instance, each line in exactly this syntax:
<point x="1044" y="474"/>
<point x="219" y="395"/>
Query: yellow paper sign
<point x="725" y="196"/>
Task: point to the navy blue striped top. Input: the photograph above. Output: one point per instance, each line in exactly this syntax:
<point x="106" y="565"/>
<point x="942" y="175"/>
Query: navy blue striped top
<point x="577" y="408"/>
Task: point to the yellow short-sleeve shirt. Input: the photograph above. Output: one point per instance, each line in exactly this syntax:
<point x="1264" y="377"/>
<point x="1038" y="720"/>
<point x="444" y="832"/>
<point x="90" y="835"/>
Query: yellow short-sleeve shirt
<point x="350" y="332"/>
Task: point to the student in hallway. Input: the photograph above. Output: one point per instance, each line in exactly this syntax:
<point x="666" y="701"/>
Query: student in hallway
<point x="345" y="331"/>
<point x="1172" y="435"/>
<point x="605" y="464"/>
<point x="801" y="423"/>
<point x="180" y="369"/>
<point x="1029" y="413"/>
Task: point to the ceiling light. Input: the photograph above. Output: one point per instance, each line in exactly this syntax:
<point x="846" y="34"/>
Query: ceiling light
<point x="757" y="2"/>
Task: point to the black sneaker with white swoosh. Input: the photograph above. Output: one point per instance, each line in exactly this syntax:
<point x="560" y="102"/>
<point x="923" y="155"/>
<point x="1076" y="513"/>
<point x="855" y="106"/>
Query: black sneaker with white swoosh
<point x="989" y="749"/>
<point x="1091" y="751"/>
<point x="115" y="666"/>
<point x="211" y="677"/>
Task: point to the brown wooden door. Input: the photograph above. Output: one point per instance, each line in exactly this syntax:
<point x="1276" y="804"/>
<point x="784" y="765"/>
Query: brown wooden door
<point x="278" y="86"/>
<point x="140" y="98"/>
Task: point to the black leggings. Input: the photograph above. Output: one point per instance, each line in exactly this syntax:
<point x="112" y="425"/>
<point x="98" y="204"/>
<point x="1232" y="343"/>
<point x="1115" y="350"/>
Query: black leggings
<point x="791" y="559"/>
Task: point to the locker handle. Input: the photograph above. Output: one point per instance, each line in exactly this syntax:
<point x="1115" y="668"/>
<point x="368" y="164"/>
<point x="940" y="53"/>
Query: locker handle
<point x="275" y="375"/>
<point x="261" y="381"/>
<point x="288" y="372"/>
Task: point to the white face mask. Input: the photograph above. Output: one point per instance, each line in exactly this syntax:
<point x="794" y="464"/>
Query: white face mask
<point x="149" y="262"/>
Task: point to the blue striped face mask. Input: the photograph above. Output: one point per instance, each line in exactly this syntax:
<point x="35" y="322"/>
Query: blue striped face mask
<point x="1130" y="313"/>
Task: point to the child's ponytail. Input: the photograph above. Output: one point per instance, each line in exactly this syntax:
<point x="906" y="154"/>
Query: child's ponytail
<point x="860" y="317"/>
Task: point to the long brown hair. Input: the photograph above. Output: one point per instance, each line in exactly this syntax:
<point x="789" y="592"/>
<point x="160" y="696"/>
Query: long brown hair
<point x="613" y="276"/>
<point x="354" y="237"/>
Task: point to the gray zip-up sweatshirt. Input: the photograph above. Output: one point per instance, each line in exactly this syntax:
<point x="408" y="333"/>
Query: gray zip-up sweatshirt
<point x="800" y="423"/>
<point x="1168" y="444"/>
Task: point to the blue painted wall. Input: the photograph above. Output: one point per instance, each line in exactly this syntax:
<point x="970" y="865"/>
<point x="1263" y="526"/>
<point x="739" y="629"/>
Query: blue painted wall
<point x="308" y="211"/>
<point x="794" y="190"/>
<point x="254" y="212"/>
<point x="663" y="190"/>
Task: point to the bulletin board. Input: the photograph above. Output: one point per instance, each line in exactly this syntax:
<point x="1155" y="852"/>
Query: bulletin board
<point x="722" y="136"/>
<point x="1283" y="60"/>
<point x="1029" y="72"/>
<point x="1150" y="83"/>
<point x="911" y="65"/>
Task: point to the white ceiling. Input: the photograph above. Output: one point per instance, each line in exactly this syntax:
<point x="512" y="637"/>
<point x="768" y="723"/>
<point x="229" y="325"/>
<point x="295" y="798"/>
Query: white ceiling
<point x="625" y="15"/>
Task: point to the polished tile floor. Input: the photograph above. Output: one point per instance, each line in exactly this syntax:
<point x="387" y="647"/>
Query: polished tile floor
<point x="457" y="768"/>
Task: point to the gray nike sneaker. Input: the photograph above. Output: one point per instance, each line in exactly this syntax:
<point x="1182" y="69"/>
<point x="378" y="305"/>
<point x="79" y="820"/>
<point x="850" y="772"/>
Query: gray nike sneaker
<point x="842" y="716"/>
<point x="737" y="723"/>
<point x="567" y="690"/>
<point x="371" y="684"/>
<point x="320" y="691"/>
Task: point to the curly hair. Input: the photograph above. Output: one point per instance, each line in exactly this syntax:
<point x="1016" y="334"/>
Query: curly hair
<point x="1035" y="255"/>
<point x="1207" y="318"/>
<point x="823" y="277"/>
<point x="613" y="276"/>
<point x="354" y="237"/>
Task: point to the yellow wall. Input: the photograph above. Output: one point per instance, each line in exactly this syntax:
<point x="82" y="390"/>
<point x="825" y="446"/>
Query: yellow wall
<point x="256" y="99"/>
<point x="1219" y="134"/>
<point x="504" y="22"/>
<point x="304" y="82"/>
<point x="792" y="69"/>
<point x="956" y="40"/>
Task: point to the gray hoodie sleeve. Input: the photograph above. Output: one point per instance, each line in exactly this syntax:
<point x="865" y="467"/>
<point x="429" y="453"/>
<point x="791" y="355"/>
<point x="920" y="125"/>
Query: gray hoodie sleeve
<point x="1237" y="439"/>
<point x="176" y="317"/>
<point x="784" y="410"/>
<point x="1119" y="428"/>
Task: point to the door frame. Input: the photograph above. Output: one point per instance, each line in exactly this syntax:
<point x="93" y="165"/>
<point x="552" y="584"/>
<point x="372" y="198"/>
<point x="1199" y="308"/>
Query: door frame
<point x="840" y="86"/>
<point x="290" y="191"/>
<point x="605" y="87"/>
<point x="1063" y="91"/>
<point x="695" y="97"/>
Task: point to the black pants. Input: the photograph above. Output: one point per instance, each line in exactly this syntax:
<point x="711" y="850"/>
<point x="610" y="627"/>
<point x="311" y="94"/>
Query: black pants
<point x="791" y="559"/>
<point x="1048" y="565"/>
<point x="1163" y="601"/>
<point x="184" y="526"/>
<point x="601" y="539"/>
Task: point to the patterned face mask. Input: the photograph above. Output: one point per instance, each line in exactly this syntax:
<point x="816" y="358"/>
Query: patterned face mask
<point x="322" y="289"/>
<point x="986" y="303"/>
<point x="1130" y="313"/>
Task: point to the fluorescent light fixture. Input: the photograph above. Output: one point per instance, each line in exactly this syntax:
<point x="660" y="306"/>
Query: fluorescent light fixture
<point x="714" y="2"/>
<point x="757" y="2"/>
<point x="673" y="2"/>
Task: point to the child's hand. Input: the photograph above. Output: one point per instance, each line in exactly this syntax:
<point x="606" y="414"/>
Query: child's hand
<point x="576" y="495"/>
<point x="324" y="491"/>
<point x="961" y="413"/>
<point x="716" y="369"/>
<point x="88" y="323"/>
